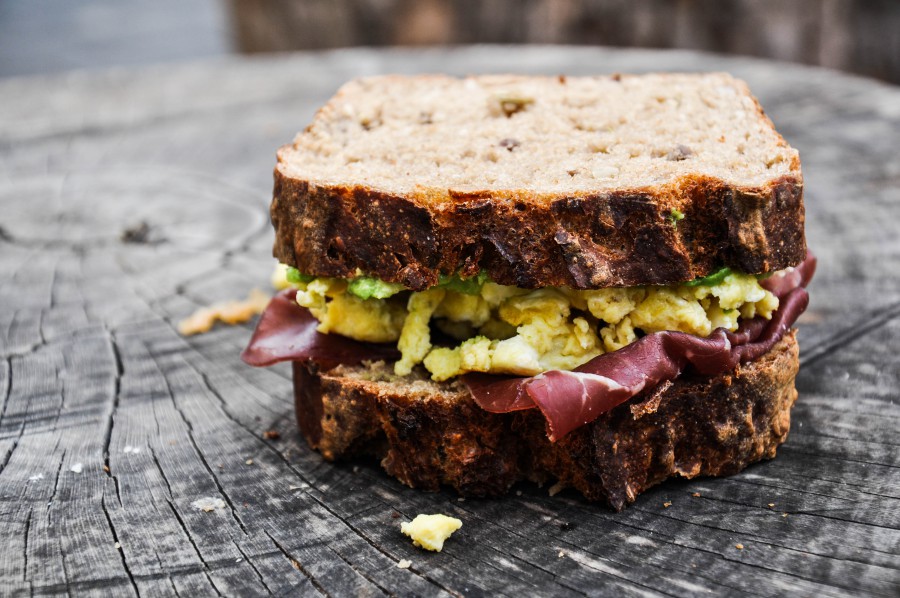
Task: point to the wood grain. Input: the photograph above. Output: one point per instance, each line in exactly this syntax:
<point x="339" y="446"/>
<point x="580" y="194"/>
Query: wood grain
<point x="92" y="371"/>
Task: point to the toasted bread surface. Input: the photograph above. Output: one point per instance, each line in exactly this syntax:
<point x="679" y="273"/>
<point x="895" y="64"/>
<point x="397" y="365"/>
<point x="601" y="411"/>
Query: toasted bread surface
<point x="430" y="434"/>
<point x="583" y="182"/>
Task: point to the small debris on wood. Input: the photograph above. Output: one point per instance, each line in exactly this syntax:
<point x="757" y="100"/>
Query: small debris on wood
<point x="404" y="564"/>
<point x="696" y="495"/>
<point x="556" y="488"/>
<point x="208" y="504"/>
<point x="561" y="554"/>
<point x="518" y="493"/>
<point x="106" y="468"/>
<point x="227" y="312"/>
<point x="248" y="462"/>
<point x="771" y="505"/>
<point x="271" y="435"/>
<point x="461" y="499"/>
<point x="139" y="233"/>
<point x="356" y="469"/>
<point x="784" y="514"/>
<point x="118" y="546"/>
<point x="131" y="450"/>
<point x="36" y="477"/>
<point x="739" y="546"/>
<point x="293" y="488"/>
<point x="77" y="468"/>
<point x="295" y="564"/>
<point x="239" y="559"/>
<point x="667" y="504"/>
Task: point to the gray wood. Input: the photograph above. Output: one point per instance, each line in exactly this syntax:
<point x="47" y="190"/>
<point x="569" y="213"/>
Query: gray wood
<point x="91" y="367"/>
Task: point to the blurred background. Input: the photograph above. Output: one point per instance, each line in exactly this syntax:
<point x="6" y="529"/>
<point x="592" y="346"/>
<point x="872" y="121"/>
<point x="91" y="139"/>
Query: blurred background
<point x="45" y="36"/>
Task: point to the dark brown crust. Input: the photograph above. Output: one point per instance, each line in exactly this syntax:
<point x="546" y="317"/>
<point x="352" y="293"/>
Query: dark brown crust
<point x="691" y="427"/>
<point x="619" y="238"/>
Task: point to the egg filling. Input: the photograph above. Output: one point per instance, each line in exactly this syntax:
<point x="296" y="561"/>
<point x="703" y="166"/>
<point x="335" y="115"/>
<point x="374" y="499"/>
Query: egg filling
<point x="508" y="330"/>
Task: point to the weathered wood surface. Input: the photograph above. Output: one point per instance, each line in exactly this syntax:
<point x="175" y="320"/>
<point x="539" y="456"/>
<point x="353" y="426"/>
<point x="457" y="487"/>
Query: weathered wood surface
<point x="92" y="371"/>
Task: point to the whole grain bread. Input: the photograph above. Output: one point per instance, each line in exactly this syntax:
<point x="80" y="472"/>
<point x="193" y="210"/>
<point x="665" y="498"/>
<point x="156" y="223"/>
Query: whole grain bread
<point x="431" y="434"/>
<point x="586" y="182"/>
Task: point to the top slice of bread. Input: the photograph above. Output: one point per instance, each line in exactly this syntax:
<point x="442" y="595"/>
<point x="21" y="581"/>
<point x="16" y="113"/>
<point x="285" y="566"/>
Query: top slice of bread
<point x="540" y="181"/>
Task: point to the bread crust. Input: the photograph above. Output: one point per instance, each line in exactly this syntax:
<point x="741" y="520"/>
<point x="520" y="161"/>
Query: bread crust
<point x="624" y="237"/>
<point x="429" y="434"/>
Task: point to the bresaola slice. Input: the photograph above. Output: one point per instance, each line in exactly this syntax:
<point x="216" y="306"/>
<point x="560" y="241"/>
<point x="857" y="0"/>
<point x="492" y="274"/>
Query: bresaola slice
<point x="287" y="332"/>
<point x="568" y="399"/>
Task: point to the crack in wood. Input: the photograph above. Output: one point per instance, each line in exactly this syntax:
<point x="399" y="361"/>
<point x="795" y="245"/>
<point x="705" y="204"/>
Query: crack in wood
<point x="161" y="471"/>
<point x="762" y="541"/>
<point x="525" y="539"/>
<point x="199" y="453"/>
<point x="362" y="573"/>
<point x="295" y="563"/>
<point x="836" y="342"/>
<point x="249" y="561"/>
<point x="55" y="486"/>
<point x="25" y="545"/>
<point x="671" y="540"/>
<point x="190" y="537"/>
<point x="119" y="548"/>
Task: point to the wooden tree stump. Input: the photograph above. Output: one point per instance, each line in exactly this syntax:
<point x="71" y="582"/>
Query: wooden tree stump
<point x="130" y="198"/>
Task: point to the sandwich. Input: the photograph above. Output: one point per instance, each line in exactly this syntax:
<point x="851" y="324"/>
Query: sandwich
<point x="589" y="281"/>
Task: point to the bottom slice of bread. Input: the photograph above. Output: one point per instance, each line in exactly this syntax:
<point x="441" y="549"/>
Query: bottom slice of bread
<point x="429" y="434"/>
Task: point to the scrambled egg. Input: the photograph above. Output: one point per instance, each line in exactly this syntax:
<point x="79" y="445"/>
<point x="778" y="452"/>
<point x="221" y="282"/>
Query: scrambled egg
<point x="510" y="330"/>
<point x="430" y="531"/>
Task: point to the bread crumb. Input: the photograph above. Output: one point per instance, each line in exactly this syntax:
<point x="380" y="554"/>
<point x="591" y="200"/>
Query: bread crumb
<point x="271" y="435"/>
<point x="784" y="514"/>
<point x="248" y="462"/>
<point x="118" y="546"/>
<point x="430" y="531"/>
<point x="667" y="504"/>
<point x="239" y="559"/>
<point x="561" y="554"/>
<point x="696" y="495"/>
<point x="36" y="477"/>
<point x="106" y="468"/>
<point x="518" y="493"/>
<point x="227" y="312"/>
<point x="131" y="450"/>
<point x="461" y="499"/>
<point x="356" y="469"/>
<point x="771" y="505"/>
<point x="404" y="564"/>
<point x="208" y="504"/>
<point x="77" y="468"/>
<point x="739" y="546"/>
<point x="556" y="488"/>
